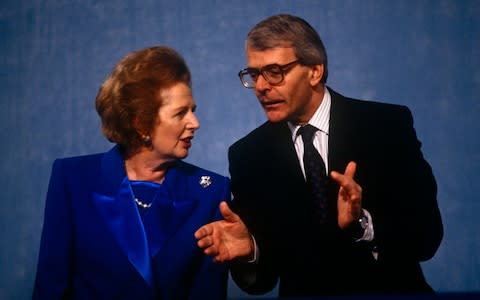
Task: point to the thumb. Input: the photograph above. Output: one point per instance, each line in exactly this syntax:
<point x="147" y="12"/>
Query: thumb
<point x="351" y="169"/>
<point x="227" y="213"/>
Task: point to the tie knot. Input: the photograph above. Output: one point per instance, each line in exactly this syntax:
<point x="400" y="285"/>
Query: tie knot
<point x="307" y="133"/>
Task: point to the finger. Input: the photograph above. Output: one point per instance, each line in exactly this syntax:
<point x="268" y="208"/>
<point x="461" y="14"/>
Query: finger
<point x="211" y="251"/>
<point x="341" y="179"/>
<point x="219" y="259"/>
<point x="203" y="231"/>
<point x="227" y="213"/>
<point x="349" y="189"/>
<point x="204" y="243"/>
<point x="348" y="186"/>
<point x="345" y="179"/>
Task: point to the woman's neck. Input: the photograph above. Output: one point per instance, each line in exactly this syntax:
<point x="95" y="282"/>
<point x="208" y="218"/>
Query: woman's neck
<point x="146" y="167"/>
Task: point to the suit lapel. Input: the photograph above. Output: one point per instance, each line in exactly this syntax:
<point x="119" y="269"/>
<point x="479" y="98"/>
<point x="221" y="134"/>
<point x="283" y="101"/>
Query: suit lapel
<point x="341" y="139"/>
<point x="115" y="203"/>
<point x="284" y="151"/>
<point x="172" y="208"/>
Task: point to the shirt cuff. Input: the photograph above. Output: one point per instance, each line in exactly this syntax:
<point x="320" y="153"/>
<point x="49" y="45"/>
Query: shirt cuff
<point x="256" y="252"/>
<point x="368" y="234"/>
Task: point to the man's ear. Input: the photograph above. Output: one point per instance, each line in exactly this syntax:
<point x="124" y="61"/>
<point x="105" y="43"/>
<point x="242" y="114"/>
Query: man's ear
<point x="316" y="74"/>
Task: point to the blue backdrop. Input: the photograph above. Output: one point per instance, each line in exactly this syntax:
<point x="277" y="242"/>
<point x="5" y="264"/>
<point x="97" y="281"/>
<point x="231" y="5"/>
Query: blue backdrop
<point x="55" y="54"/>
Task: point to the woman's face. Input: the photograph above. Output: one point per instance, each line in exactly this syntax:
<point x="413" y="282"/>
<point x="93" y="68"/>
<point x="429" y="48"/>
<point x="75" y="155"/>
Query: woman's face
<point x="173" y="132"/>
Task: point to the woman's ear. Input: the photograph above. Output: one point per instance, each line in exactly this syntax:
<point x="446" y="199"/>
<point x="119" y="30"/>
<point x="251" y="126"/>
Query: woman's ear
<point x="145" y="136"/>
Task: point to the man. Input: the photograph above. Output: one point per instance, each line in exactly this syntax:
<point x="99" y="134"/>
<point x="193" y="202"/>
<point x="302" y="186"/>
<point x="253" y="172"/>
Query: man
<point x="373" y="218"/>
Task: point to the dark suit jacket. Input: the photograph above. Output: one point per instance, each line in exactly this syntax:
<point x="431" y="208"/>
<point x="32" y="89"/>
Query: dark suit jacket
<point x="95" y="246"/>
<point x="399" y="191"/>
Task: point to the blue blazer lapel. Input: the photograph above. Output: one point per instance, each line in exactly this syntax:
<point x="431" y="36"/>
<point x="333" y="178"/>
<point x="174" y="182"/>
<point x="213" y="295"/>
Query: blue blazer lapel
<point x="173" y="206"/>
<point x="115" y="203"/>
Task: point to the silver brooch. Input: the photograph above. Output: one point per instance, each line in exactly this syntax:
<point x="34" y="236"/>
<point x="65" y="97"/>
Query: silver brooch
<point x="205" y="181"/>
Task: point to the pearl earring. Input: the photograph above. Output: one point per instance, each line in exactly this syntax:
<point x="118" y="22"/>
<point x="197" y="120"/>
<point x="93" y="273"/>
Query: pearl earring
<point x="146" y="139"/>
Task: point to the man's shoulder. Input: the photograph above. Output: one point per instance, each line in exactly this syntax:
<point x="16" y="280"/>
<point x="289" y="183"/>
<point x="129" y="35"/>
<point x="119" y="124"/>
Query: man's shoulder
<point x="364" y="105"/>
<point x="259" y="136"/>
<point x="367" y="117"/>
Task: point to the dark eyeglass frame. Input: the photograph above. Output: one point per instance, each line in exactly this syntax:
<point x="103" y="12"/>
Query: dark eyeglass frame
<point x="265" y="71"/>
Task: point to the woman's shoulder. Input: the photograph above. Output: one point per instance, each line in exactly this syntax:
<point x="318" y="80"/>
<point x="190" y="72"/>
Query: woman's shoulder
<point x="87" y="160"/>
<point x="78" y="161"/>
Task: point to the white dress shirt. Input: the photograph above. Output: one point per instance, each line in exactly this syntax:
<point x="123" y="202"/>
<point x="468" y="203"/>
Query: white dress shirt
<point x="321" y="120"/>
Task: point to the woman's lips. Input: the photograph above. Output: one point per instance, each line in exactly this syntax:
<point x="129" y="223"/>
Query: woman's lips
<point x="187" y="141"/>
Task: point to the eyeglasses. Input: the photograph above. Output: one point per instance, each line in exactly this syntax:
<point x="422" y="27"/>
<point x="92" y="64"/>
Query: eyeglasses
<point x="273" y="74"/>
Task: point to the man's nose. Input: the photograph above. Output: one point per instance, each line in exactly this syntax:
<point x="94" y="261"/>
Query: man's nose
<point x="261" y="85"/>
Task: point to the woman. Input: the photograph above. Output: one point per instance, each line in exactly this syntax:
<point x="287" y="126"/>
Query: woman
<point x="120" y="224"/>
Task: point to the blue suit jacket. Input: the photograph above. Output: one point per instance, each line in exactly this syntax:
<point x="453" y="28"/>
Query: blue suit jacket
<point x="94" y="244"/>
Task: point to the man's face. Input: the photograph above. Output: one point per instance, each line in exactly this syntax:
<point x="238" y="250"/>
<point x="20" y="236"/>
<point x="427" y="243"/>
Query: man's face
<point x="292" y="99"/>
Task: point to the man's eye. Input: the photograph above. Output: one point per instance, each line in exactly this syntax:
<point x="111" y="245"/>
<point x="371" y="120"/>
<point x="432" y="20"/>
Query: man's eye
<point x="274" y="70"/>
<point x="254" y="75"/>
<point x="274" y="74"/>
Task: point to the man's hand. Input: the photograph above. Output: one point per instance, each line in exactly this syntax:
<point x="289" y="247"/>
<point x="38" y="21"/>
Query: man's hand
<point x="349" y="202"/>
<point x="226" y="239"/>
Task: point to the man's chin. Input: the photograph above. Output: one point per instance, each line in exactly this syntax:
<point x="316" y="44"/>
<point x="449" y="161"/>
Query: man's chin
<point x="273" y="116"/>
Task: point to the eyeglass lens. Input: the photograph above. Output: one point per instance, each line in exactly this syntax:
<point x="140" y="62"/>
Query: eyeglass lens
<point x="273" y="74"/>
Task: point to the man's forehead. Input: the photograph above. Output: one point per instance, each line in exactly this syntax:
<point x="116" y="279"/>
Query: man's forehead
<point x="277" y="55"/>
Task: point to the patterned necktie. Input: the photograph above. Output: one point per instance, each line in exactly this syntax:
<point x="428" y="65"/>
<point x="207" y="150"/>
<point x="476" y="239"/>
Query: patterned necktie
<point x="314" y="171"/>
